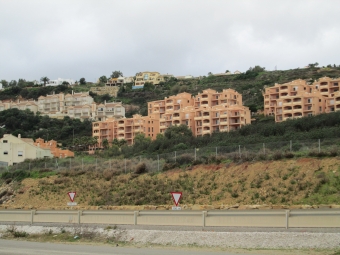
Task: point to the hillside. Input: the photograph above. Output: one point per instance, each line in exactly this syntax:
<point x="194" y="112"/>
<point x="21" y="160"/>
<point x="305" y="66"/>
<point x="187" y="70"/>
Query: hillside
<point x="250" y="84"/>
<point x="300" y="181"/>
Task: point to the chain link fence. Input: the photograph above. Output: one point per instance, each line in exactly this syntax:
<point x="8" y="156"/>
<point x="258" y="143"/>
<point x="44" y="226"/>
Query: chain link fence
<point x="160" y="162"/>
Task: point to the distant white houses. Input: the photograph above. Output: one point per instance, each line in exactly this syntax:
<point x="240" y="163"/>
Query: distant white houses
<point x="59" y="81"/>
<point x="184" y="77"/>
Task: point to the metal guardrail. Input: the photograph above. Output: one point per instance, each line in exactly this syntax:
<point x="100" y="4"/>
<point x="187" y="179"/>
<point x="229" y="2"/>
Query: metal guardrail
<point x="259" y="218"/>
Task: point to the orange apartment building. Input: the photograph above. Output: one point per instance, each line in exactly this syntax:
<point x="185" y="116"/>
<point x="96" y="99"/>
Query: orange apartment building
<point x="298" y="99"/>
<point x="52" y="146"/>
<point x="208" y="112"/>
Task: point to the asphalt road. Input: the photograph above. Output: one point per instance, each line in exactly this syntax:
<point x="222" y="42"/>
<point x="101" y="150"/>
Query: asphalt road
<point x="10" y="247"/>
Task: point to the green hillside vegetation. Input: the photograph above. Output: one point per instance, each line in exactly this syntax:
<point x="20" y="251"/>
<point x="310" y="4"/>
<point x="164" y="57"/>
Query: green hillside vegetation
<point x="250" y="84"/>
<point x="31" y="125"/>
<point x="178" y="138"/>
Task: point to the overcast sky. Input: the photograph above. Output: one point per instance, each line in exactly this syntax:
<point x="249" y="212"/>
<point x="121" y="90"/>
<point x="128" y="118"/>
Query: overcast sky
<point x="74" y="39"/>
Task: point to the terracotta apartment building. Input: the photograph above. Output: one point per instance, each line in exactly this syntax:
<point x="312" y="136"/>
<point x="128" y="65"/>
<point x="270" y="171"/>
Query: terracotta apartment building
<point x="208" y="112"/>
<point x="297" y="99"/>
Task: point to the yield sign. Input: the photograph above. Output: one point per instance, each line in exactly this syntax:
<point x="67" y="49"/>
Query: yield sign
<point x="176" y="196"/>
<point x="72" y="195"/>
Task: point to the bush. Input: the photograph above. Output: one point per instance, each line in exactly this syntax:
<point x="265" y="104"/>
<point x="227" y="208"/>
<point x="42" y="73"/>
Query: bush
<point x="169" y="166"/>
<point x="289" y="155"/>
<point x="140" y="168"/>
<point x="277" y="155"/>
<point x="317" y="154"/>
<point x="108" y="174"/>
<point x="20" y="234"/>
<point x="61" y="180"/>
<point x="185" y="159"/>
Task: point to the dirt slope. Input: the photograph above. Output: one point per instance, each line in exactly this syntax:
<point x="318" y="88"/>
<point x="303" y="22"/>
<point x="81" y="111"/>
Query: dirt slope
<point x="294" y="181"/>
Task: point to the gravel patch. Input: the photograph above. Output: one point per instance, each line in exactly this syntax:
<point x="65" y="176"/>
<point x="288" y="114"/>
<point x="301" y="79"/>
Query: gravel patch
<point x="271" y="240"/>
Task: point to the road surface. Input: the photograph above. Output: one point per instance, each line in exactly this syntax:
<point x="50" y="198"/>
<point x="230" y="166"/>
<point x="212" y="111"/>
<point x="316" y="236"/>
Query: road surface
<point x="10" y="247"/>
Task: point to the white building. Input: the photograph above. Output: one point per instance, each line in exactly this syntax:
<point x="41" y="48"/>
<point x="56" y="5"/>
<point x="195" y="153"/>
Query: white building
<point x="59" y="81"/>
<point x="14" y="150"/>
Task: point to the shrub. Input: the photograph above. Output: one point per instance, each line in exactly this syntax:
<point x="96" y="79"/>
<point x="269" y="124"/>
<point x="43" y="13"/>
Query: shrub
<point x="61" y="180"/>
<point x="277" y="155"/>
<point x="169" y="166"/>
<point x="20" y="234"/>
<point x="262" y="156"/>
<point x="140" y="168"/>
<point x="317" y="154"/>
<point x="185" y="159"/>
<point x="289" y="155"/>
<point x="234" y="194"/>
<point x="108" y="174"/>
<point x="333" y="152"/>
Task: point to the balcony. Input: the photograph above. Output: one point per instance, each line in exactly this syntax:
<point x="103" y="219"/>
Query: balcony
<point x="204" y="132"/>
<point x="198" y="118"/>
<point x="121" y="124"/>
<point x="206" y="124"/>
<point x="121" y="131"/>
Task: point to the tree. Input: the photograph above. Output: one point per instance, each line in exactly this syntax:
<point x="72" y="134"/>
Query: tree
<point x="82" y="81"/>
<point x="148" y="87"/>
<point x="12" y="83"/>
<point x="21" y="82"/>
<point x="44" y="80"/>
<point x="210" y="74"/>
<point x="66" y="83"/>
<point x="103" y="79"/>
<point x="105" y="143"/>
<point x="313" y="65"/>
<point x="116" y="74"/>
<point x="227" y="71"/>
<point x="4" y="83"/>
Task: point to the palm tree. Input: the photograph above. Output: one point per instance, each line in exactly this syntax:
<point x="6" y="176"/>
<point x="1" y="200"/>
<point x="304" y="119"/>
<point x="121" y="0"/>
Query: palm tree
<point x="105" y="143"/>
<point x="45" y="80"/>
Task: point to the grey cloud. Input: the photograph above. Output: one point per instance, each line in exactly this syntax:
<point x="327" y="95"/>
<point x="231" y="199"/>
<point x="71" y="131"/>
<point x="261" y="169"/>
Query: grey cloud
<point x="74" y="39"/>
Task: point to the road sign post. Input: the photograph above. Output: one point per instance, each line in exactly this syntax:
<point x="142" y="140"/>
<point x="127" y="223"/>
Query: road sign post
<point x="72" y="195"/>
<point x="176" y="197"/>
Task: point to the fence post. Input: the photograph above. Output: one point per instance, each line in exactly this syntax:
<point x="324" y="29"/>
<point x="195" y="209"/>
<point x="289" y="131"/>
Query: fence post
<point x="110" y="164"/>
<point x="216" y="153"/>
<point x="291" y="146"/>
<point x="70" y="163"/>
<point x="140" y="158"/>
<point x="319" y="146"/>
<point x="125" y="166"/>
<point x="45" y="165"/>
<point x="195" y="154"/>
<point x="82" y="164"/>
<point x="135" y="217"/>
<point x="264" y="148"/>
<point x="32" y="216"/>
<point x="96" y="163"/>
<point x="29" y="166"/>
<point x="158" y="162"/>
<point x="287" y="219"/>
<point x="239" y="150"/>
<point x="175" y="157"/>
<point x="204" y="214"/>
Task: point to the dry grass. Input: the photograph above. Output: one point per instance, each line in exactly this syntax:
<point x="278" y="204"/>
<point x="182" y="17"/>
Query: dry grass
<point x="287" y="181"/>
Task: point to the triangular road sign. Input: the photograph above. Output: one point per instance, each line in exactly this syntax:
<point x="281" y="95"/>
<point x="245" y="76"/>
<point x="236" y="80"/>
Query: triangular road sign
<point x="176" y="196"/>
<point x="72" y="195"/>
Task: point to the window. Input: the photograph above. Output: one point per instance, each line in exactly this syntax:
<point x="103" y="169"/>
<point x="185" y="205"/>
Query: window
<point x="146" y="77"/>
<point x="5" y="152"/>
<point x="20" y="153"/>
<point x="4" y="141"/>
